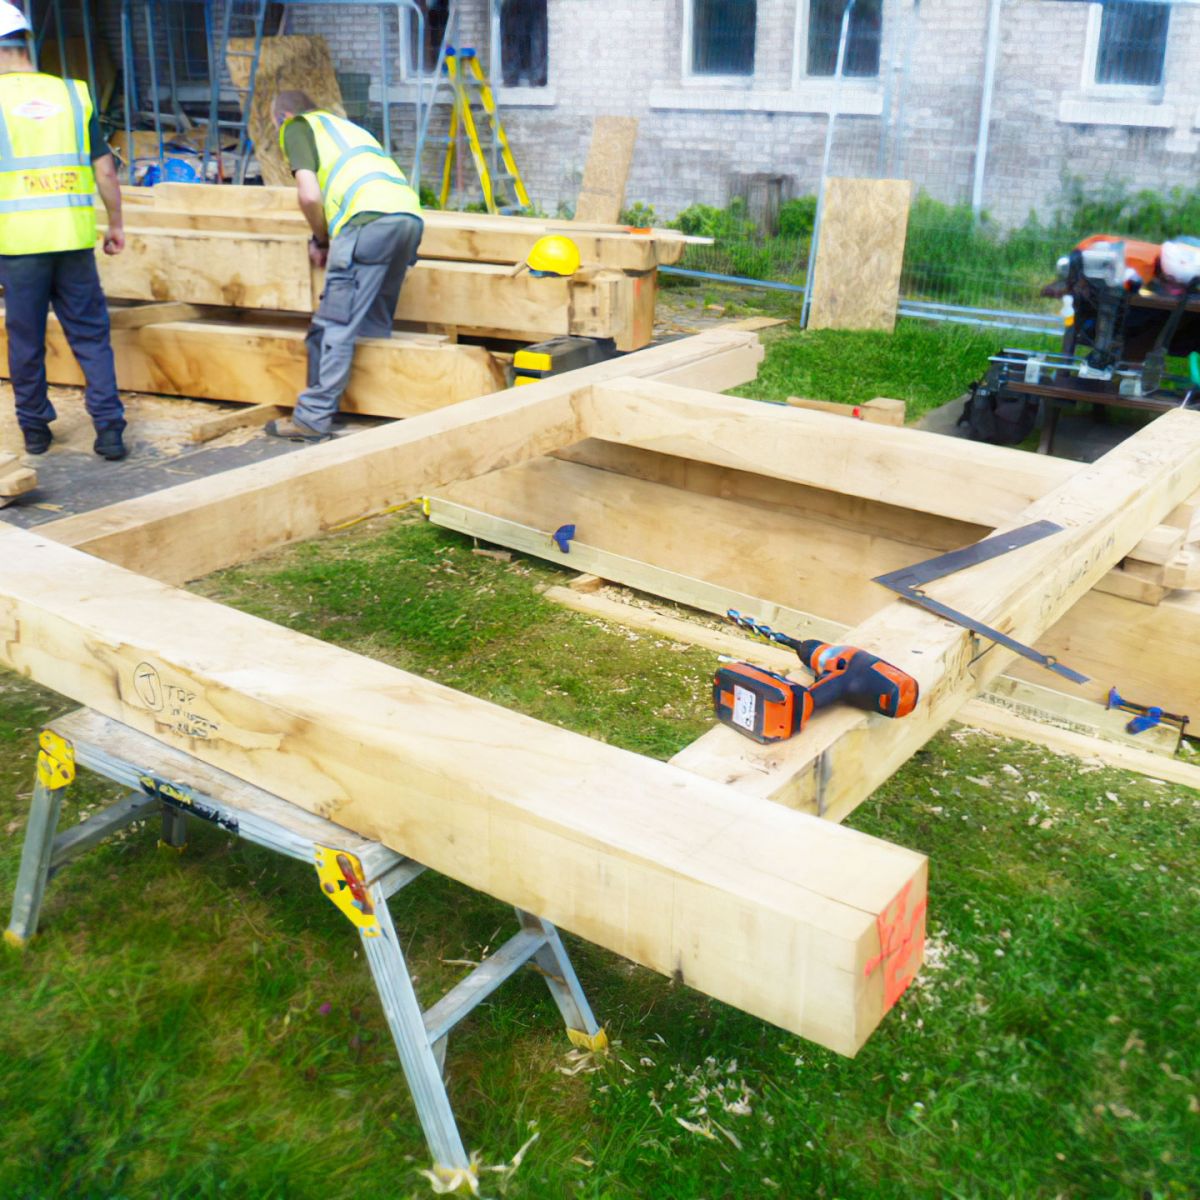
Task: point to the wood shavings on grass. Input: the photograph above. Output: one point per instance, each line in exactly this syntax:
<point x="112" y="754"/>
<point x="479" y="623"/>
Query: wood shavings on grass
<point x="582" y="1062"/>
<point x="465" y="1181"/>
<point x="708" y="1100"/>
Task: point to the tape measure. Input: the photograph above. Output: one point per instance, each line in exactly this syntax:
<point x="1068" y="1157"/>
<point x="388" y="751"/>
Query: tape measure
<point x="759" y="703"/>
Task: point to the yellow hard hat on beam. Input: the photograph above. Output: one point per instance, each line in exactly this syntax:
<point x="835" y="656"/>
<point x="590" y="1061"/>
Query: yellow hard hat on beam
<point x="553" y="255"/>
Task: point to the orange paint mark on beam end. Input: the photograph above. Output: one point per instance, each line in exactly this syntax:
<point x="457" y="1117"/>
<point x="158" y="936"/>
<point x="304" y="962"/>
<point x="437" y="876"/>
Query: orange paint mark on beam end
<point x="901" y="943"/>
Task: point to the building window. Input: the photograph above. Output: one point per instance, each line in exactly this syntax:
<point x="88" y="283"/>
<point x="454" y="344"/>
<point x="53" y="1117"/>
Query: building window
<point x="723" y="36"/>
<point x="423" y="55"/>
<point x="1131" y="43"/>
<point x="862" y="39"/>
<point x="523" y="43"/>
<point x="186" y="29"/>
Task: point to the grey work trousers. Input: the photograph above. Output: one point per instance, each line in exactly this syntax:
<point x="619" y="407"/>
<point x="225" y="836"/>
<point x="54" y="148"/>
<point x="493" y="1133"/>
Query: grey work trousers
<point x="363" y="277"/>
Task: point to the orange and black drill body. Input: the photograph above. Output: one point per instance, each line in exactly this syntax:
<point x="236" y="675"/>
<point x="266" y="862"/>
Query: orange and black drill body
<point x="771" y="708"/>
<point x="848" y="675"/>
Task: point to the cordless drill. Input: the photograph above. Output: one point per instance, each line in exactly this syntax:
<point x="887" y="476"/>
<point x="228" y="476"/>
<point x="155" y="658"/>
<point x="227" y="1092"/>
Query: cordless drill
<point x="769" y="707"/>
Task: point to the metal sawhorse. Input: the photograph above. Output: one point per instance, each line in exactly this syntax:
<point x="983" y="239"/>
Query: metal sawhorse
<point x="357" y="874"/>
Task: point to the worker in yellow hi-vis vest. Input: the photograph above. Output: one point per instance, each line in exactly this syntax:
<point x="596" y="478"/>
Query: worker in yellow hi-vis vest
<point x="53" y="159"/>
<point x="366" y="224"/>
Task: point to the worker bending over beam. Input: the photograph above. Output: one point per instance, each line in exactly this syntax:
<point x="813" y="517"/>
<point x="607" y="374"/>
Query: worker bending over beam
<point x="366" y="224"/>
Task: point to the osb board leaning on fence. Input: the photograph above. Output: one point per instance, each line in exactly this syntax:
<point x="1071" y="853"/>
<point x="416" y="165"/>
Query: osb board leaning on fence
<point x="285" y="62"/>
<point x="602" y="193"/>
<point x="860" y="253"/>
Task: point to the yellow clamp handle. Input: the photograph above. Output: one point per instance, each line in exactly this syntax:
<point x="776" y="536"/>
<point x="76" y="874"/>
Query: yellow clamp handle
<point x="588" y="1041"/>
<point x="343" y="880"/>
<point x="56" y="761"/>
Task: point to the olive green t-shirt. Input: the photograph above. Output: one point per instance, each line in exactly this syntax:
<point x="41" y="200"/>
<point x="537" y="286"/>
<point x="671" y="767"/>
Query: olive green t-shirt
<point x="300" y="150"/>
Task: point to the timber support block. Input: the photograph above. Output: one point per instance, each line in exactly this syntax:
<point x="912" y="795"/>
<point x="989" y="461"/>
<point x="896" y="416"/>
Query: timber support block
<point x="16" y="480"/>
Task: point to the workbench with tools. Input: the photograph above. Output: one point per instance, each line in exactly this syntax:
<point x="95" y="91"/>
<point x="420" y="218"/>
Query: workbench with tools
<point x="1124" y="315"/>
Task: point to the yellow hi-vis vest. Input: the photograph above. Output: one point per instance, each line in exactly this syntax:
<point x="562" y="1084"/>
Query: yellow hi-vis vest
<point x="356" y="174"/>
<point x="47" y="184"/>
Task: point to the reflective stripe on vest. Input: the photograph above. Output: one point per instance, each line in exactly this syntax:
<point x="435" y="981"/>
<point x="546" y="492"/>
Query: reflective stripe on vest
<point x="47" y="185"/>
<point x="355" y="173"/>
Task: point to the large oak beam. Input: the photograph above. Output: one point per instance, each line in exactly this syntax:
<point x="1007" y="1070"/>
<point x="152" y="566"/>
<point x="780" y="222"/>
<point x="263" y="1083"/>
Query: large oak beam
<point x="268" y="364"/>
<point x="188" y="531"/>
<point x="814" y="928"/>
<point x="272" y="271"/>
<point x="925" y="472"/>
<point x="844" y="754"/>
<point x="469" y="237"/>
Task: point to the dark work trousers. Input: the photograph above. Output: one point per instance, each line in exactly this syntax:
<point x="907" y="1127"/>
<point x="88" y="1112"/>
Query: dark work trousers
<point x="70" y="282"/>
<point x="363" y="278"/>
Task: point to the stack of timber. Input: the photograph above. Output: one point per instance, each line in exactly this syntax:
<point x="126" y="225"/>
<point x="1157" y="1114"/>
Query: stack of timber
<point x="245" y="247"/>
<point x="216" y="356"/>
<point x="212" y="293"/>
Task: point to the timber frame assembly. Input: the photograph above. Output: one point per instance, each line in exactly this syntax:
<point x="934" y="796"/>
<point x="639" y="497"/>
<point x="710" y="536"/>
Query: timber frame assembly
<point x="682" y="867"/>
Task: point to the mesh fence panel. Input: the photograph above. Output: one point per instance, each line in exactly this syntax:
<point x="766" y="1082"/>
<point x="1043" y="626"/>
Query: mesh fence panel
<point x="1082" y="115"/>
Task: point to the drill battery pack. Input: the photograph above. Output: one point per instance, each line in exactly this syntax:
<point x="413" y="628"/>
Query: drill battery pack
<point x="558" y="355"/>
<point x="759" y="703"/>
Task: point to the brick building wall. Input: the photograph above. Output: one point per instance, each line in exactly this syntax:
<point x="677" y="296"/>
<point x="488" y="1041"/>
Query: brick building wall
<point x="918" y="117"/>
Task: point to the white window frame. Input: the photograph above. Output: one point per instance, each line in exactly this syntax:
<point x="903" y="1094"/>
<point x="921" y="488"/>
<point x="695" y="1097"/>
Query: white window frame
<point x="405" y="90"/>
<point x="524" y="95"/>
<point x="1147" y="93"/>
<point x="800" y="75"/>
<point x="695" y="78"/>
<point x="406" y="72"/>
<point x="802" y="93"/>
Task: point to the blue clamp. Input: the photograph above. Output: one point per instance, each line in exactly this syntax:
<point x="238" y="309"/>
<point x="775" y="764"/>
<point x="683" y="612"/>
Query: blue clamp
<point x="1148" y="716"/>
<point x="562" y="537"/>
<point x="1151" y="717"/>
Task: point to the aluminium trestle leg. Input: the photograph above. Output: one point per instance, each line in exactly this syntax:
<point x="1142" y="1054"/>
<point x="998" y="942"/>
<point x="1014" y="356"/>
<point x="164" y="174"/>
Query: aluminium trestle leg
<point x="358" y="875"/>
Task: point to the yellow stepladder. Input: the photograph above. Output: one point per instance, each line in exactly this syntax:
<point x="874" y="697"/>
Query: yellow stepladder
<point x="466" y="76"/>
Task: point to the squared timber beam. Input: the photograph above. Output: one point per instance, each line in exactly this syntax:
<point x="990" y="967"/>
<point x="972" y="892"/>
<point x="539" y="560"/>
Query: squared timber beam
<point x="272" y="271"/>
<point x="401" y="376"/>
<point x="930" y="473"/>
<point x="469" y="237"/>
<point x="198" y="527"/>
<point x="909" y="468"/>
<point x="815" y="928"/>
<point x="1105" y="509"/>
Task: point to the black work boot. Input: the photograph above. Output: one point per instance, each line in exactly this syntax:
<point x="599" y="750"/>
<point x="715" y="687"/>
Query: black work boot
<point x="110" y="445"/>
<point x="37" y="439"/>
<point x="294" y="431"/>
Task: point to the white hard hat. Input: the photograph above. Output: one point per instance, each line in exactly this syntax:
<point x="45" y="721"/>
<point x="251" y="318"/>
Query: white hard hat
<point x="12" y="20"/>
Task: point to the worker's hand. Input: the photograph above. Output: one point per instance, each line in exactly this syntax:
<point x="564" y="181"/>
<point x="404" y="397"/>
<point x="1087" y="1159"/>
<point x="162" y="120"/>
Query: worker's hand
<point x="114" y="240"/>
<point x="317" y="254"/>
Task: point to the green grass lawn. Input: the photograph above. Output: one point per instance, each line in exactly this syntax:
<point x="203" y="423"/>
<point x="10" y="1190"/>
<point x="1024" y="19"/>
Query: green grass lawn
<point x="201" y="1025"/>
<point x="922" y="363"/>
